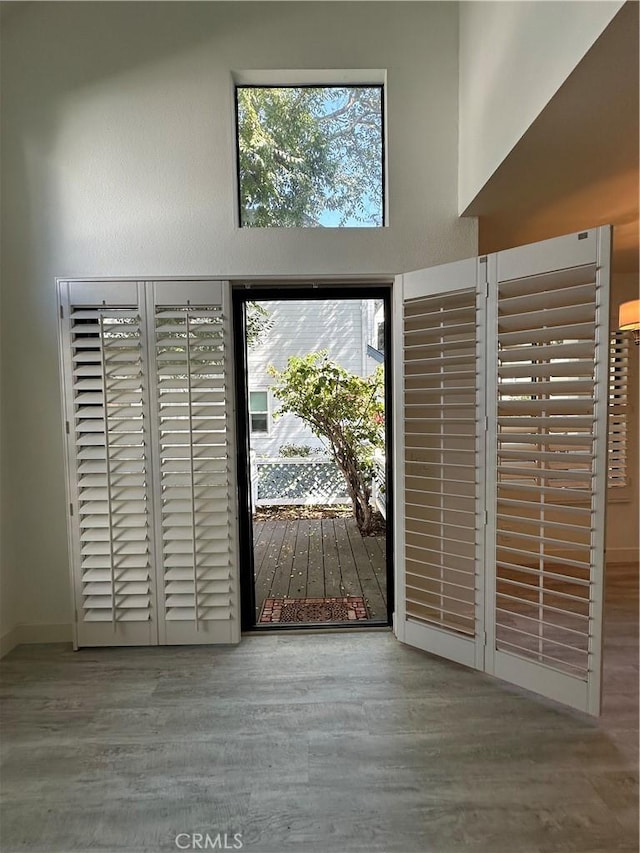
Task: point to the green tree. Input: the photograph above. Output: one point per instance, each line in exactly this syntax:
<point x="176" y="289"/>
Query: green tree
<point x="308" y="150"/>
<point x="346" y="411"/>
<point x="258" y="323"/>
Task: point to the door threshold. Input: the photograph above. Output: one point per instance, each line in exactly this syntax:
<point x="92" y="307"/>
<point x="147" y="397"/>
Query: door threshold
<point x="314" y="629"/>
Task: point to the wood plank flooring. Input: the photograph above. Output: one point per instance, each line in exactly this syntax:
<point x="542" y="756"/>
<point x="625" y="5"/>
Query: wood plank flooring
<point x="314" y="742"/>
<point x="317" y="558"/>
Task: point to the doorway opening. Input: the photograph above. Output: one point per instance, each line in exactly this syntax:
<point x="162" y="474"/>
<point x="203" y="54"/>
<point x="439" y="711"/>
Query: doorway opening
<point x="313" y="388"/>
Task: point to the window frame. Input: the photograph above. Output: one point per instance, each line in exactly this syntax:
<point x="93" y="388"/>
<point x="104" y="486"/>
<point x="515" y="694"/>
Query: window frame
<point x="311" y="79"/>
<point x="267" y="412"/>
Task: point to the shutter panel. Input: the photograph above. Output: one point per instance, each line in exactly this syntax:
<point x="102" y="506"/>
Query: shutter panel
<point x="194" y="463"/>
<point x="439" y="496"/>
<point x="533" y="452"/>
<point x="108" y="461"/>
<point x="548" y="465"/>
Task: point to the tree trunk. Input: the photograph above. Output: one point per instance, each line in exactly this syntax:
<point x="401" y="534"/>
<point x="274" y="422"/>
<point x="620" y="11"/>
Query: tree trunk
<point x="360" y="493"/>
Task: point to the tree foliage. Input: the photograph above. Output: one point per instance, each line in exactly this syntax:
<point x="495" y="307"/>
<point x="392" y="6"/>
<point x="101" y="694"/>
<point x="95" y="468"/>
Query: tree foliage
<point x="258" y="323"/>
<point x="346" y="411"/>
<point x="305" y="151"/>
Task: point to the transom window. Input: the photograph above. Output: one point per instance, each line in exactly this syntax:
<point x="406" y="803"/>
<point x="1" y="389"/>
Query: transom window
<point x="310" y="156"/>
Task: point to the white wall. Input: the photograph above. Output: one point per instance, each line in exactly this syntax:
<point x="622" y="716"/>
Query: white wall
<point x="117" y="159"/>
<point x="8" y="598"/>
<point x="514" y="56"/>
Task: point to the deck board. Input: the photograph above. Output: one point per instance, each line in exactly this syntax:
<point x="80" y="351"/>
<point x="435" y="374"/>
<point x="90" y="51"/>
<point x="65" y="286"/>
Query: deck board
<point x="270" y="558"/>
<point x="281" y="576"/>
<point x="366" y="576"/>
<point x="300" y="567"/>
<point x="315" y="571"/>
<point x="375" y="547"/>
<point x="261" y="537"/>
<point x="349" y="580"/>
<point x="332" y="578"/>
<point x="315" y="558"/>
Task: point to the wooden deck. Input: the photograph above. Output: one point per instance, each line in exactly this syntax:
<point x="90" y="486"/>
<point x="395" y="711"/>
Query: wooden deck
<point x="319" y="558"/>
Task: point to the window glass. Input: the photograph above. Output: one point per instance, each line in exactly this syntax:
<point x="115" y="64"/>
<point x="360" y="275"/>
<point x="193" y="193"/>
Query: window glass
<point x="258" y="401"/>
<point x="310" y="156"/>
<point x="259" y="411"/>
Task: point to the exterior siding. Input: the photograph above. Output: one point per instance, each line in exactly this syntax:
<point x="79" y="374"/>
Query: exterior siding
<point x="343" y="327"/>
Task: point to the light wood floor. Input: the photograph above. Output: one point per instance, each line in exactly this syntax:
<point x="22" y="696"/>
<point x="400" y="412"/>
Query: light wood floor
<point x="310" y="744"/>
<point x="317" y="558"/>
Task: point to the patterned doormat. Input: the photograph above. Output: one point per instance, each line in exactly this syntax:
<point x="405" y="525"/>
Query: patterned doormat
<point x="304" y="610"/>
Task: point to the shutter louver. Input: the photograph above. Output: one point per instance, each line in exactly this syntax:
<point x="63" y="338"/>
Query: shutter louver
<point x="550" y="456"/>
<point x="618" y="409"/>
<point x="440" y="425"/>
<point x="109" y="451"/>
<point x="193" y="449"/>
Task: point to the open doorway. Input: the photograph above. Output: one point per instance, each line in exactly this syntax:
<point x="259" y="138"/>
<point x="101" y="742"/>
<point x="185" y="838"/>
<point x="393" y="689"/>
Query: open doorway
<point x="314" y="423"/>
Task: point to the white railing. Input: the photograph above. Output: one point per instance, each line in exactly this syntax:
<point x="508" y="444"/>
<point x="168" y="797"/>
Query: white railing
<point x="296" y="481"/>
<point x="378" y="492"/>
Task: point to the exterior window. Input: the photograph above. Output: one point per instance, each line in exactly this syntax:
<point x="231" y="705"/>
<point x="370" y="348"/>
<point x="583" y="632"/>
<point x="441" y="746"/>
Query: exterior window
<point x="310" y="156"/>
<point x="380" y="336"/>
<point x="259" y="412"/>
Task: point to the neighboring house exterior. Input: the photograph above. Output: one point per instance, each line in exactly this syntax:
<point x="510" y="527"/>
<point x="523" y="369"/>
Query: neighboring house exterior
<point x="349" y="329"/>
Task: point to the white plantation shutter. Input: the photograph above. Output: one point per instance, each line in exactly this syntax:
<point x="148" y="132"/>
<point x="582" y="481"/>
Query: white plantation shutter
<point x="108" y="459"/>
<point x="502" y="461"/>
<point x="149" y="422"/>
<point x="547" y="458"/>
<point x="192" y="401"/>
<point x="439" y="498"/>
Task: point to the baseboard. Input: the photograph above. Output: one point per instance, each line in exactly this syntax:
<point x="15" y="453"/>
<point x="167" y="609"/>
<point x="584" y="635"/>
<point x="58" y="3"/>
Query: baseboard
<point x="46" y="633"/>
<point x="9" y="640"/>
<point x="36" y="633"/>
